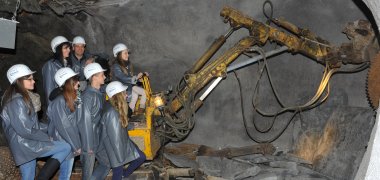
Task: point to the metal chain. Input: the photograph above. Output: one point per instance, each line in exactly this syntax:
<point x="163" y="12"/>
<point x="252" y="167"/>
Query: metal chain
<point x="15" y="13"/>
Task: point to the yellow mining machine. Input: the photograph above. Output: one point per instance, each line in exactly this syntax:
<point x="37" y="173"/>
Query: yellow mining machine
<point x="170" y="117"/>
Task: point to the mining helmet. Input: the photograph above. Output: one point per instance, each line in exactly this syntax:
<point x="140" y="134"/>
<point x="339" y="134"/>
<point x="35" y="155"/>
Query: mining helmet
<point x="92" y="69"/>
<point x="17" y="71"/>
<point x="118" y="48"/>
<point x="63" y="74"/>
<point x="115" y="87"/>
<point x="79" y="40"/>
<point x="57" y="41"/>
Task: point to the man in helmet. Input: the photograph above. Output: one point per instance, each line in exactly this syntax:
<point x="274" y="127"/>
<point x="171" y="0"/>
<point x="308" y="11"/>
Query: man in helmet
<point x="61" y="49"/>
<point x="92" y="106"/>
<point x="79" y="59"/>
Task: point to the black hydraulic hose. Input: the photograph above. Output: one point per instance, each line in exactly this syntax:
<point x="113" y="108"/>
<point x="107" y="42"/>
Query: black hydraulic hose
<point x="360" y="67"/>
<point x="266" y="67"/>
<point x="270" y="17"/>
<point x="245" y="120"/>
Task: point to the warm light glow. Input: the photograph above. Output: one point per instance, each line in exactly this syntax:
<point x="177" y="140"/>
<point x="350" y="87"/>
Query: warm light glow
<point x="158" y="102"/>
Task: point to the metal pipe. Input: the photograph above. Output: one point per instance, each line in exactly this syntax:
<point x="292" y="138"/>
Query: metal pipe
<point x="240" y="65"/>
<point x="255" y="59"/>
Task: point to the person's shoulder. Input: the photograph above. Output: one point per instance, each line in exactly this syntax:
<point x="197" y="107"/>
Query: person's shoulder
<point x="115" y="65"/>
<point x="51" y="60"/>
<point x="16" y="98"/>
<point x="88" y="96"/>
<point x="108" y="108"/>
<point x="90" y="91"/>
<point x="86" y="91"/>
<point x="51" y="63"/>
<point x="15" y="101"/>
<point x="58" y="99"/>
<point x="55" y="93"/>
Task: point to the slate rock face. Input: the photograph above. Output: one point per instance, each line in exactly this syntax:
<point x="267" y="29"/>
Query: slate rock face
<point x="354" y="130"/>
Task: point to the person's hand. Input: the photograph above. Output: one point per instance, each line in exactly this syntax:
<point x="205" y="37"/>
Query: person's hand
<point x="90" y="152"/>
<point x="77" y="152"/>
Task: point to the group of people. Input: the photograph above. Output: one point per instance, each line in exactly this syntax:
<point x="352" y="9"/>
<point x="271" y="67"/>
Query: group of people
<point x="81" y="122"/>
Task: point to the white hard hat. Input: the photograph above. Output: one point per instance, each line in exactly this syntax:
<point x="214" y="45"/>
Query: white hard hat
<point x="57" y="41"/>
<point x="63" y="74"/>
<point x="17" y="71"/>
<point x="92" y="69"/>
<point x="115" y="87"/>
<point x="118" y="47"/>
<point x="79" y="40"/>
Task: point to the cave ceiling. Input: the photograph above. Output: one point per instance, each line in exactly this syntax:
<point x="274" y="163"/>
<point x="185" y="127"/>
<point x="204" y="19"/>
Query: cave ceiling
<point x="60" y="7"/>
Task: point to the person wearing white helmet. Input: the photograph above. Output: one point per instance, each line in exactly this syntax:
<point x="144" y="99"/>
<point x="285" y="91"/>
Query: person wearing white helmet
<point x="61" y="49"/>
<point x="92" y="106"/>
<point x="122" y="70"/>
<point x="23" y="131"/>
<point x="115" y="147"/>
<point x="64" y="113"/>
<point x="80" y="58"/>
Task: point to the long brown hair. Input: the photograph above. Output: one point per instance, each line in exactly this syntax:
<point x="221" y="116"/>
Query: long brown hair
<point x="123" y="65"/>
<point x="18" y="87"/>
<point x="58" y="55"/>
<point x="69" y="93"/>
<point x="120" y="104"/>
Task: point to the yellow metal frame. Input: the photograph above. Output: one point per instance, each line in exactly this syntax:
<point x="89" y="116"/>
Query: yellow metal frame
<point x="143" y="134"/>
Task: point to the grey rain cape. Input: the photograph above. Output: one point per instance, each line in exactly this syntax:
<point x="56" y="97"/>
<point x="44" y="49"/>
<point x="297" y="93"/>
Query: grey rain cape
<point x="63" y="123"/>
<point x="22" y="130"/>
<point x="48" y="71"/>
<point x="116" y="148"/>
<point x="92" y="105"/>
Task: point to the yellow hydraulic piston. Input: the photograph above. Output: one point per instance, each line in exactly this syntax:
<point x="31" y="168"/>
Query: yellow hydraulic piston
<point x="217" y="68"/>
<point x="263" y="33"/>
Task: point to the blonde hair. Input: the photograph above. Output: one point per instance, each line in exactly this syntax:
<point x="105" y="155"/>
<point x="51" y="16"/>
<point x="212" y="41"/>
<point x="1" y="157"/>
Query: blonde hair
<point x="120" y="104"/>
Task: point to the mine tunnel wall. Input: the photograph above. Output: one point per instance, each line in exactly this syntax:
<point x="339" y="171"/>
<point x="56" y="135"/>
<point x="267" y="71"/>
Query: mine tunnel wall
<point x="166" y="38"/>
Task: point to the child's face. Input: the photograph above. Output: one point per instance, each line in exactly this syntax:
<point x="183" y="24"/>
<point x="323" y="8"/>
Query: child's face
<point x="99" y="77"/>
<point x="29" y="83"/>
<point x="124" y="55"/>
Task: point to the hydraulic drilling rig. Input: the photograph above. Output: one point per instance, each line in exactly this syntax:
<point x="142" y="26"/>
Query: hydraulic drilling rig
<point x="171" y="117"/>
